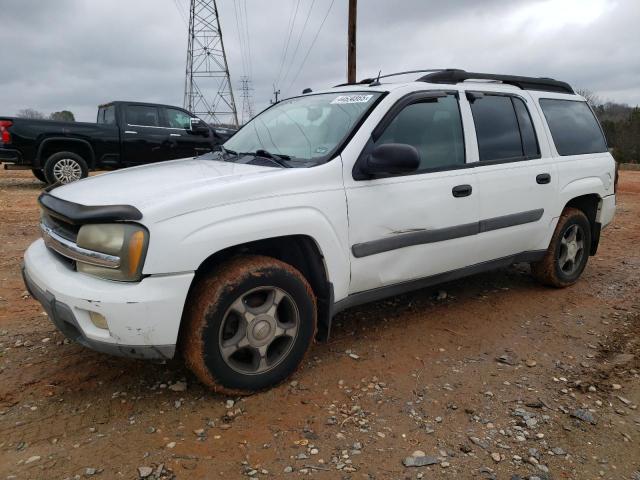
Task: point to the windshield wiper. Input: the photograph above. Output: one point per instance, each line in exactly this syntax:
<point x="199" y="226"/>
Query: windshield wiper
<point x="277" y="158"/>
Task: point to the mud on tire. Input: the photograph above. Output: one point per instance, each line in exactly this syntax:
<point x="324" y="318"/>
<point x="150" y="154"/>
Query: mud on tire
<point x="568" y="251"/>
<point x="248" y="324"/>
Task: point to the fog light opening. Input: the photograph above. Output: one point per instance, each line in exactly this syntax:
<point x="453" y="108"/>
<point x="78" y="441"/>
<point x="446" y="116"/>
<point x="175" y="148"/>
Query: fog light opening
<point x="98" y="320"/>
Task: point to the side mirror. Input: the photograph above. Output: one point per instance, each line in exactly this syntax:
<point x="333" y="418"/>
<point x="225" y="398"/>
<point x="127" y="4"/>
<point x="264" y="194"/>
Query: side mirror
<point x="392" y="159"/>
<point x="198" y="127"/>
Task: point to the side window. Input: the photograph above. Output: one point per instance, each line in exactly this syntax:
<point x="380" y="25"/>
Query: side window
<point x="142" y="115"/>
<point x="573" y="126"/>
<point x="110" y="115"/>
<point x="434" y="128"/>
<point x="177" y="118"/>
<point x="496" y="128"/>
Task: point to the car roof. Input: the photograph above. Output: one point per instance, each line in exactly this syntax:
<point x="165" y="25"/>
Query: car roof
<point x="456" y="79"/>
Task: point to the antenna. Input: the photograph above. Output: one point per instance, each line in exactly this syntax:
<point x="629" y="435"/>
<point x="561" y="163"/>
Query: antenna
<point x="207" y="87"/>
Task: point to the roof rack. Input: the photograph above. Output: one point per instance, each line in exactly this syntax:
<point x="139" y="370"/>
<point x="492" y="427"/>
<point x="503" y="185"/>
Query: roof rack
<point x="368" y="81"/>
<point x="452" y="75"/>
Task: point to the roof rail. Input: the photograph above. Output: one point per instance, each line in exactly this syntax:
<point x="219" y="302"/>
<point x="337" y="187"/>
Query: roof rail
<point x="367" y="81"/>
<point x="453" y="75"/>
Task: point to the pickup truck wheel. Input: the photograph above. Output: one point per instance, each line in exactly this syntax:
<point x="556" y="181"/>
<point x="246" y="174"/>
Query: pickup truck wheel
<point x="65" y="167"/>
<point x="39" y="174"/>
<point x="568" y="251"/>
<point x="248" y="324"/>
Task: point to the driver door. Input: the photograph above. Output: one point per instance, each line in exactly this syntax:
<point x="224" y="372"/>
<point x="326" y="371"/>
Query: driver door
<point x="407" y="227"/>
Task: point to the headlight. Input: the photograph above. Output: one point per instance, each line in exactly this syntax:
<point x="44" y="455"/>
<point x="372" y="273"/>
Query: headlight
<point x="124" y="240"/>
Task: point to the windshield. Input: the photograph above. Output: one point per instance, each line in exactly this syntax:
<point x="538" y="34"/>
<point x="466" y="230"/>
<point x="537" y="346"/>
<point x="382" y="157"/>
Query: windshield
<point x="305" y="128"/>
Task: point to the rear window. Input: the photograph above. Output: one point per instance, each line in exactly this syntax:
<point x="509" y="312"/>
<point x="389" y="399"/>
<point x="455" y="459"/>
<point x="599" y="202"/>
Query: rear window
<point x="107" y="115"/>
<point x="573" y="126"/>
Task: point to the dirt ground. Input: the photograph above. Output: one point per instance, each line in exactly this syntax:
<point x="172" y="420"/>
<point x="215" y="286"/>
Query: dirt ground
<point x="487" y="383"/>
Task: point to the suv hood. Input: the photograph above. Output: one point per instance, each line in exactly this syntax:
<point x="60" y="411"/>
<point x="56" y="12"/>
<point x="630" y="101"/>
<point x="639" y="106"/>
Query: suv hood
<point x="152" y="188"/>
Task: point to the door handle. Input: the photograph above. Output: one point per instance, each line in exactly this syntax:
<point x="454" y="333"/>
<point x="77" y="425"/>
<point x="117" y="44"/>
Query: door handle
<point x="461" y="191"/>
<point x="543" y="178"/>
<point x="175" y="135"/>
<point x="131" y="132"/>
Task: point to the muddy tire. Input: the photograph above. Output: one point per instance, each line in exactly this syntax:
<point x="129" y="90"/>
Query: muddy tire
<point x="39" y="174"/>
<point x="248" y="325"/>
<point x="65" y="167"/>
<point x="568" y="251"/>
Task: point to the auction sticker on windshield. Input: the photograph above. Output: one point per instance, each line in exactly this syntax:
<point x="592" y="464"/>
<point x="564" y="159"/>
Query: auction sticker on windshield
<point x="352" y="99"/>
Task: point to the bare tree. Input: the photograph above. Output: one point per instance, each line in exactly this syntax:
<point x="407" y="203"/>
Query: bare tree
<point x="30" y="113"/>
<point x="591" y="97"/>
<point x="63" y="116"/>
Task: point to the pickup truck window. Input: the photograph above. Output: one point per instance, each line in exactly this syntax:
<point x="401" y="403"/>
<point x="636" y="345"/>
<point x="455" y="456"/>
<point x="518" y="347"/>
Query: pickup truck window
<point x="177" y="118"/>
<point x="434" y="128"/>
<point x="142" y="115"/>
<point x="309" y="127"/>
<point x="573" y="126"/>
<point x="109" y="115"/>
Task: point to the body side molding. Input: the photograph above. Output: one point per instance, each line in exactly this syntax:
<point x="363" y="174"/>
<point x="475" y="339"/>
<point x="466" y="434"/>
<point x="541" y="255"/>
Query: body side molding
<point x="420" y="237"/>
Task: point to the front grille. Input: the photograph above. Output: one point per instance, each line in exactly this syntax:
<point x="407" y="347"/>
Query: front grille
<point x="62" y="228"/>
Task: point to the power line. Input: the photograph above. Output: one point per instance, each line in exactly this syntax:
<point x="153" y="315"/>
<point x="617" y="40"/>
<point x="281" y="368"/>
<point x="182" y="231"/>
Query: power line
<point x="293" y="57"/>
<point x="246" y="26"/>
<point x="311" y="46"/>
<point x="286" y="47"/>
<point x="240" y="38"/>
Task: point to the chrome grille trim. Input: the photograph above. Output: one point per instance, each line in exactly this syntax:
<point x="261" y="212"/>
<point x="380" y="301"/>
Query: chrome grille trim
<point x="70" y="250"/>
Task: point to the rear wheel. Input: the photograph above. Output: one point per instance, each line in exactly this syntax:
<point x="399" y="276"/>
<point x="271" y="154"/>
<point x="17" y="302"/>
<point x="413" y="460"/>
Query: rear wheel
<point x="568" y="251"/>
<point x="248" y="325"/>
<point x="39" y="174"/>
<point x="65" y="167"/>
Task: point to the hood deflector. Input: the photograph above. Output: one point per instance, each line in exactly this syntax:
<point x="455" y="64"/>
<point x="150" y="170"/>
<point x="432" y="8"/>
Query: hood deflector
<point x="76" y="213"/>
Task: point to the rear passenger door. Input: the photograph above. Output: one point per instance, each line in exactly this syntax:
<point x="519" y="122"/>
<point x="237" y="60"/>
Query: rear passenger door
<point x="144" y="139"/>
<point x="515" y="173"/>
<point x="182" y="142"/>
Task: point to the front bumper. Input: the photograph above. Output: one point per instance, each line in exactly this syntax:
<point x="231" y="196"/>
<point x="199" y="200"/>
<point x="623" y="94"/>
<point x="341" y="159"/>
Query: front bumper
<point x="143" y="318"/>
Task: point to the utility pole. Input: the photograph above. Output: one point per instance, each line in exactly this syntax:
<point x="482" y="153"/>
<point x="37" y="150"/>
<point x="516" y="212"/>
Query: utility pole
<point x="247" y="99"/>
<point x="207" y="86"/>
<point x="351" y="43"/>
<point x="275" y="93"/>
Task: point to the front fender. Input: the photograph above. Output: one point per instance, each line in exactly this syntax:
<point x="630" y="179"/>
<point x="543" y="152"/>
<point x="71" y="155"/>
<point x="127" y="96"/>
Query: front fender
<point x="171" y="252"/>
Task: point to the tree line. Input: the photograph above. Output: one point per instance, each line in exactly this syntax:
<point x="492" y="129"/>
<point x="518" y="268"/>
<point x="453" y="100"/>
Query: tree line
<point x="61" y="116"/>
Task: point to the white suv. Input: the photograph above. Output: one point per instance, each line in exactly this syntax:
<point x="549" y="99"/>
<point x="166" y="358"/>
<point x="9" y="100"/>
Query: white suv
<point x="323" y="201"/>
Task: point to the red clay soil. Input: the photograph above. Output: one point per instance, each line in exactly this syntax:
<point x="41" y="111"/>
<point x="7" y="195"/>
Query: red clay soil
<point x="492" y="376"/>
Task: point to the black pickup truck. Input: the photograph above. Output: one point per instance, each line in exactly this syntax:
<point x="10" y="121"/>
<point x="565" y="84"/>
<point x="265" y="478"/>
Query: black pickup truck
<point x="126" y="134"/>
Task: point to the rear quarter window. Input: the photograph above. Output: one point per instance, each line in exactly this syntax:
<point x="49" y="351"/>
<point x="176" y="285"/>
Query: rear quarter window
<point x="573" y="126"/>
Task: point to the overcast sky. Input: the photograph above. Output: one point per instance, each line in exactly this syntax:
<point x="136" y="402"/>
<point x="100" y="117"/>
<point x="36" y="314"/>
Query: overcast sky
<point x="76" y="54"/>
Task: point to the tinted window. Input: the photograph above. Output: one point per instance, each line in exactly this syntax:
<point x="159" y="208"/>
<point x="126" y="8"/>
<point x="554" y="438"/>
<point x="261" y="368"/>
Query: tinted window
<point x="178" y="118"/>
<point x="434" y="128"/>
<point x="573" y="126"/>
<point x="496" y="128"/>
<point x="529" y="140"/>
<point x="142" y="115"/>
<point x="110" y="115"/>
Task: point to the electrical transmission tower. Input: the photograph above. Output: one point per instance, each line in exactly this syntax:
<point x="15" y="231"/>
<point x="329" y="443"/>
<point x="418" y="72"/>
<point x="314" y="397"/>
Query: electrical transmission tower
<point x="247" y="99"/>
<point x="207" y="87"/>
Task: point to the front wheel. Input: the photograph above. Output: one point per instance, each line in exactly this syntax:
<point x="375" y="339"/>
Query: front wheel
<point x="65" y="167"/>
<point x="568" y="251"/>
<point x="248" y="325"/>
<point x="39" y="174"/>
